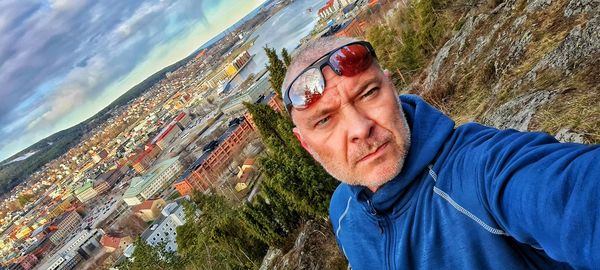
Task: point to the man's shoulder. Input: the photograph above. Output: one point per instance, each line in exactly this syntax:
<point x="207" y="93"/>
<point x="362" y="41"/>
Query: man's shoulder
<point x="340" y="200"/>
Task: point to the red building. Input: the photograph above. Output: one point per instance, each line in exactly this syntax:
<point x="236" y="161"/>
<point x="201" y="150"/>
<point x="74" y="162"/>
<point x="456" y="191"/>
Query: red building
<point x="353" y="29"/>
<point x="205" y="169"/>
<point x="144" y="159"/>
<point x="28" y="261"/>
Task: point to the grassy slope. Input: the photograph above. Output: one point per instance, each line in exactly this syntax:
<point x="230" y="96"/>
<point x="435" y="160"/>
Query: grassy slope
<point x="497" y="73"/>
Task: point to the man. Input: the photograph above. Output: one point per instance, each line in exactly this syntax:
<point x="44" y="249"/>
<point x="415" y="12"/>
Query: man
<point x="416" y="193"/>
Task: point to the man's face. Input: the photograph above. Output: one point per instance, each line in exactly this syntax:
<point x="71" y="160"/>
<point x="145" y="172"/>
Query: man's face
<point x="357" y="129"/>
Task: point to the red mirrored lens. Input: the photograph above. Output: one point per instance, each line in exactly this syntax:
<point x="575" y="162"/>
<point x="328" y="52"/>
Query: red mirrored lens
<point x="351" y="60"/>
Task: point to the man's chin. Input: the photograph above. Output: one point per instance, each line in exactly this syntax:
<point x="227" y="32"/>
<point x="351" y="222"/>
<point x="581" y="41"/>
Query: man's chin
<point x="373" y="180"/>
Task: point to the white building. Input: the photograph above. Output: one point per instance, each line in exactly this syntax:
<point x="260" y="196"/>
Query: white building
<point x="69" y="256"/>
<point x="158" y="177"/>
<point x="164" y="229"/>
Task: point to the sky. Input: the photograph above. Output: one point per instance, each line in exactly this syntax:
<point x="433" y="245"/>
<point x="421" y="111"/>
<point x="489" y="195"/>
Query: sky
<point x="61" y="61"/>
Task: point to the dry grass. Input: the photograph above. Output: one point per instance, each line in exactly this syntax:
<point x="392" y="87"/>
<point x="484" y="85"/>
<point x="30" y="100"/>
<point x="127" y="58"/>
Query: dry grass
<point x="577" y="107"/>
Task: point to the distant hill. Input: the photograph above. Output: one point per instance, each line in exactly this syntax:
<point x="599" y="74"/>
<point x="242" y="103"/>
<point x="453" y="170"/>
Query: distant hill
<point x="55" y="145"/>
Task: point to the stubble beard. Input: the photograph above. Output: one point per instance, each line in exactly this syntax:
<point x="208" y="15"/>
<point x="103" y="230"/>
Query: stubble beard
<point x="401" y="142"/>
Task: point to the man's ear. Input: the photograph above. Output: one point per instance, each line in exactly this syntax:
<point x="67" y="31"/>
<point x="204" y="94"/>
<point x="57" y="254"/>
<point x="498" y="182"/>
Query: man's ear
<point x="387" y="73"/>
<point x="299" y="137"/>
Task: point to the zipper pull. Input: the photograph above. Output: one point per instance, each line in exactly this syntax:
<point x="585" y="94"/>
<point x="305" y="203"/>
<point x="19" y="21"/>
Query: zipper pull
<point x="373" y="212"/>
<point x="371" y="209"/>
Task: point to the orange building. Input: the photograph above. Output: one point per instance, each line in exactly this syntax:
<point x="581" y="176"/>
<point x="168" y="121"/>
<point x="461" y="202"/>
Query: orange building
<point x="112" y="243"/>
<point x="205" y="169"/>
<point x="353" y="28"/>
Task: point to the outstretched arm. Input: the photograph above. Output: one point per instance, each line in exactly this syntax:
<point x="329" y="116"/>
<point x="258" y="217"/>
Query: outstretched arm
<point x="543" y="193"/>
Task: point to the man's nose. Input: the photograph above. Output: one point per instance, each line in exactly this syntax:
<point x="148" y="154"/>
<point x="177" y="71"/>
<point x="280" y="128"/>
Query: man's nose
<point x="359" y="124"/>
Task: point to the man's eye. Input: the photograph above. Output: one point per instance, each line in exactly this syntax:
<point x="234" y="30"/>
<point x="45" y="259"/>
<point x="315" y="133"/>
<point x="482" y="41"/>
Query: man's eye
<point x="370" y="92"/>
<point x="322" y="122"/>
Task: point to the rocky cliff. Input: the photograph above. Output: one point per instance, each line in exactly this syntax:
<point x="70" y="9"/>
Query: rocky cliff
<point x="527" y="65"/>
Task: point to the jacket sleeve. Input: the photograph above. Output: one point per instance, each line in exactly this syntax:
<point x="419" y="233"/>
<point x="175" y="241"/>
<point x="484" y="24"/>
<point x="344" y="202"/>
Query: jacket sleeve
<point x="541" y="192"/>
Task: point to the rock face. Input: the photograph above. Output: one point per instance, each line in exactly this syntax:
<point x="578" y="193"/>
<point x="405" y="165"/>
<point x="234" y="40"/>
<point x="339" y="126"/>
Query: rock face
<point x="315" y="248"/>
<point x="517" y="113"/>
<point x="510" y="63"/>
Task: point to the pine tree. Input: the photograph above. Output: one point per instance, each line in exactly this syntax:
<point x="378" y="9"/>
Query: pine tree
<point x="276" y="69"/>
<point x="287" y="59"/>
<point x="218" y="238"/>
<point x="288" y="167"/>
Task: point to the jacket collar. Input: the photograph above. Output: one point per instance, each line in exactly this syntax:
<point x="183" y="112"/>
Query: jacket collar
<point x="429" y="130"/>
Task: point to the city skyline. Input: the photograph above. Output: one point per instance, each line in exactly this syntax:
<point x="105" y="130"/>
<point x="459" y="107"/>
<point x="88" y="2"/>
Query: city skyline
<point x="63" y="61"/>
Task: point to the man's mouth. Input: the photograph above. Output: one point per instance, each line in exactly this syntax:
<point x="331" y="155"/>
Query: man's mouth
<point x="375" y="153"/>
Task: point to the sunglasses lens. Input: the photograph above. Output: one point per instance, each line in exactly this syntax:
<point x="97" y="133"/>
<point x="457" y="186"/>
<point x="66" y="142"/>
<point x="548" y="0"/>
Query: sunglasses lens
<point x="351" y="60"/>
<point x="307" y="89"/>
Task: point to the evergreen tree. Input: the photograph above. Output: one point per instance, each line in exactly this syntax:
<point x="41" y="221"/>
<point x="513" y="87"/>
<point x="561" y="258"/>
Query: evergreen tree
<point x="217" y="239"/>
<point x="276" y="69"/>
<point x="289" y="169"/>
<point x="287" y="59"/>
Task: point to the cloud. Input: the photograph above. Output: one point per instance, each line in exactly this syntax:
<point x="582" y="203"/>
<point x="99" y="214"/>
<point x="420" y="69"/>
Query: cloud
<point x="59" y="54"/>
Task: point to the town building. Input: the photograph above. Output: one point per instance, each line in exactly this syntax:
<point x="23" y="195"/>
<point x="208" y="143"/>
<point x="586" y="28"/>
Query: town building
<point x="352" y="28"/>
<point x="98" y="156"/>
<point x="164" y="230"/>
<point x="65" y="224"/>
<point x="28" y="261"/>
<point x="167" y="135"/>
<point x="145" y="158"/>
<point x="80" y="247"/>
<point x="246" y="167"/>
<point x="149" y="210"/>
<point x="183" y="119"/>
<point x="112" y="176"/>
<point x="101" y="187"/>
<point x="205" y="169"/>
<point x="112" y="243"/>
<point x="144" y="187"/>
<point x="260" y="88"/>
<point x="327" y="10"/>
<point x="85" y="192"/>
<point x="60" y="206"/>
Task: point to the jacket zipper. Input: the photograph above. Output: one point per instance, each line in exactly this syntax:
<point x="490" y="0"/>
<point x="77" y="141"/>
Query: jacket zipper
<point x="390" y="254"/>
<point x="389" y="237"/>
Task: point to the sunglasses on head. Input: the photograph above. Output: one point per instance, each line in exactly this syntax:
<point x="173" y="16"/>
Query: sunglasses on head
<point x="348" y="60"/>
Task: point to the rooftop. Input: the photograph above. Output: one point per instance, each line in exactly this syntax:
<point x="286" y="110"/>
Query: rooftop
<point x="145" y="205"/>
<point x="87" y="185"/>
<point x="110" y="241"/>
<point x="140" y="183"/>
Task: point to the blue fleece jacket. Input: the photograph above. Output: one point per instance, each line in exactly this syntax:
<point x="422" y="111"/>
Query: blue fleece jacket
<point x="475" y="197"/>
